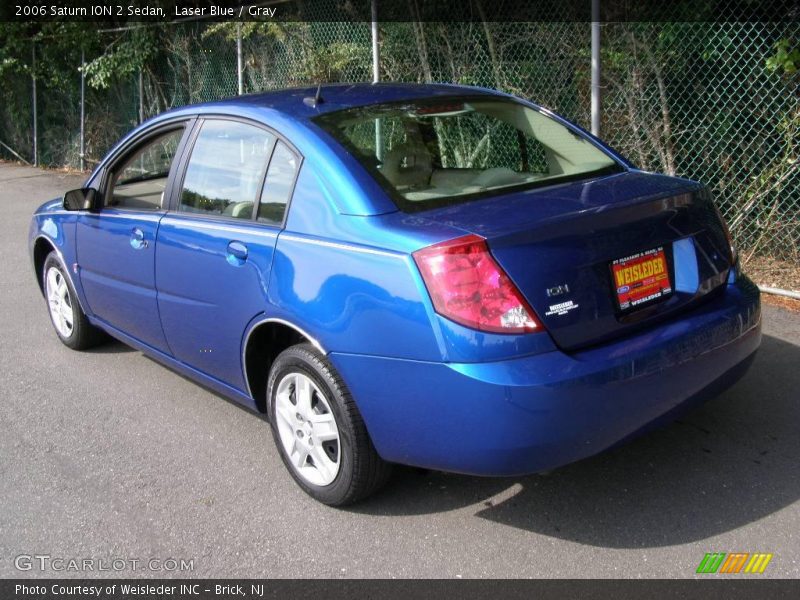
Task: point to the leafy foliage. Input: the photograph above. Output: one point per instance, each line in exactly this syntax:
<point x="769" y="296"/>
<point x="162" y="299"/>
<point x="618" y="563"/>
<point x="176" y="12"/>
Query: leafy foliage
<point x="786" y="58"/>
<point x="124" y="56"/>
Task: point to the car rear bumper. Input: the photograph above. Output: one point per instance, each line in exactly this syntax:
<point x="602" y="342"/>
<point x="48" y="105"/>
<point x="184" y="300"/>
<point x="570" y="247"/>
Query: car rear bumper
<point x="539" y="412"/>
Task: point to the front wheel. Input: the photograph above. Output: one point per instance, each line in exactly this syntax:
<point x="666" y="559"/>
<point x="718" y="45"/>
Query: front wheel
<point x="319" y="431"/>
<point x="69" y="321"/>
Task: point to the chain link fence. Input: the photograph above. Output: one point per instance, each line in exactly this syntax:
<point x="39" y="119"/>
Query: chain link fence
<point x="697" y="100"/>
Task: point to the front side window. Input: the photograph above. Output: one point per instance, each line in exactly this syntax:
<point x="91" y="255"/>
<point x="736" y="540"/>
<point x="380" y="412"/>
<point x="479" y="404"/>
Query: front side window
<point x="139" y="182"/>
<point x="226" y="169"/>
<point x="429" y="153"/>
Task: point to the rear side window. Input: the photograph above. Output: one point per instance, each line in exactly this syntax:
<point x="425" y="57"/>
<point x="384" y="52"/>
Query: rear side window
<point x="226" y="169"/>
<point x="278" y="185"/>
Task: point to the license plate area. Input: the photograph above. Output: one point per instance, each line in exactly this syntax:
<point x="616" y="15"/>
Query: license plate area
<point x="641" y="279"/>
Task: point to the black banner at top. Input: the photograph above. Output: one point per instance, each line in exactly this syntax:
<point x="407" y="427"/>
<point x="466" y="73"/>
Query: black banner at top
<point x="121" y="12"/>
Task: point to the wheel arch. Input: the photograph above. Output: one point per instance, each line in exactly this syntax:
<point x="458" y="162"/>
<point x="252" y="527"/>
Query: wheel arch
<point x="264" y="341"/>
<point x="42" y="247"/>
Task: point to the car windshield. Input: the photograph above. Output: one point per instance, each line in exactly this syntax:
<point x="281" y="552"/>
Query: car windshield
<point x="435" y="152"/>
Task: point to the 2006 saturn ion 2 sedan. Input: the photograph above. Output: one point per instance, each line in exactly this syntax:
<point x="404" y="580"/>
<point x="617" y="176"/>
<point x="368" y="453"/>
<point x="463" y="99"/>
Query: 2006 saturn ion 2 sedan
<point x="431" y="275"/>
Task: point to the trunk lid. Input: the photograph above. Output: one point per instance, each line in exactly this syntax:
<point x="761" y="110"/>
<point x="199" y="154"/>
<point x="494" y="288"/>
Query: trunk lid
<point x="557" y="245"/>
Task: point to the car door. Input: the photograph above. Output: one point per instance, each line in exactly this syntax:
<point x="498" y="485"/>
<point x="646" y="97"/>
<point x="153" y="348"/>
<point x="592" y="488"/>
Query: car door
<point x="115" y="242"/>
<point x="215" y="248"/>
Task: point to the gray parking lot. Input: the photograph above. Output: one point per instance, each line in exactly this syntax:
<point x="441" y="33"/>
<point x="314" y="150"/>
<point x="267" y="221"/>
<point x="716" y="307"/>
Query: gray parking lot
<point x="107" y="454"/>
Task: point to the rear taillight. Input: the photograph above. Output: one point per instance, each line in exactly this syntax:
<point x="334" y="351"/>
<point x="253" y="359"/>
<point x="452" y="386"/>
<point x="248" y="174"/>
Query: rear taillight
<point x="469" y="287"/>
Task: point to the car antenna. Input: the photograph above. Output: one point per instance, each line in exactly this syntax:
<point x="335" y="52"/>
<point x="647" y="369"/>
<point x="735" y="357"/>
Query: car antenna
<point x="317" y="99"/>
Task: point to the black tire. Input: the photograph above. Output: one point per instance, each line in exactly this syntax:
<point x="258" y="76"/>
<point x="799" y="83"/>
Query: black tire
<point x="361" y="472"/>
<point x="84" y="335"/>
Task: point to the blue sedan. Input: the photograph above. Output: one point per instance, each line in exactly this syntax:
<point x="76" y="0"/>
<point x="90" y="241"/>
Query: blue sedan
<point x="430" y="275"/>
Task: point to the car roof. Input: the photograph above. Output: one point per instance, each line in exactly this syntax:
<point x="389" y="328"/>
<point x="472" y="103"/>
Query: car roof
<point x="335" y="97"/>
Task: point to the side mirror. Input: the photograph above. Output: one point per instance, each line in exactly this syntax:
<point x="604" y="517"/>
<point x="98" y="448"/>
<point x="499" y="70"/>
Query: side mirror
<point x="82" y="199"/>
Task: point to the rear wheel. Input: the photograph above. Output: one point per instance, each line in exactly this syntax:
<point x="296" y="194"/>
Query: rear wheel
<point x="319" y="431"/>
<point x="69" y="321"/>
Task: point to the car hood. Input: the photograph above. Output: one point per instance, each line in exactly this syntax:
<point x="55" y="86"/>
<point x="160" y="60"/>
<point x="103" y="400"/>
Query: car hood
<point x="53" y="205"/>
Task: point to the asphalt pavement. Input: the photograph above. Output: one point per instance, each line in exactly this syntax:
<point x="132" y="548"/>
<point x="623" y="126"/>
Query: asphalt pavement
<point x="109" y="455"/>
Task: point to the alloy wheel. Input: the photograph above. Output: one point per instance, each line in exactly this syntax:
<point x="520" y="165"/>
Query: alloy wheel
<point x="307" y="429"/>
<point x="59" y="302"/>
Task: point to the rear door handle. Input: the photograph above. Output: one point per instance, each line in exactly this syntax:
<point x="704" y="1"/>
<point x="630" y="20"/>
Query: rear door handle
<point x="237" y="253"/>
<point x="137" y="239"/>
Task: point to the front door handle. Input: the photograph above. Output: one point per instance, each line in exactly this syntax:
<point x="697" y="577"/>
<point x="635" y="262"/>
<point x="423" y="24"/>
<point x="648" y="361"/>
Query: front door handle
<point x="237" y="253"/>
<point x="137" y="239"/>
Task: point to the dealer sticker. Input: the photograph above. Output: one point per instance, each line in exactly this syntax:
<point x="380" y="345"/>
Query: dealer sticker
<point x="561" y="308"/>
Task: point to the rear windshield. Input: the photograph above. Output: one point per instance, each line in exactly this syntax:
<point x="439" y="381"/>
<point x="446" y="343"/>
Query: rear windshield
<point x="436" y="152"/>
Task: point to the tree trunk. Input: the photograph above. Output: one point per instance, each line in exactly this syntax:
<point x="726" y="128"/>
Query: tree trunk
<point x="419" y="35"/>
<point x="496" y="70"/>
<point x="667" y="151"/>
